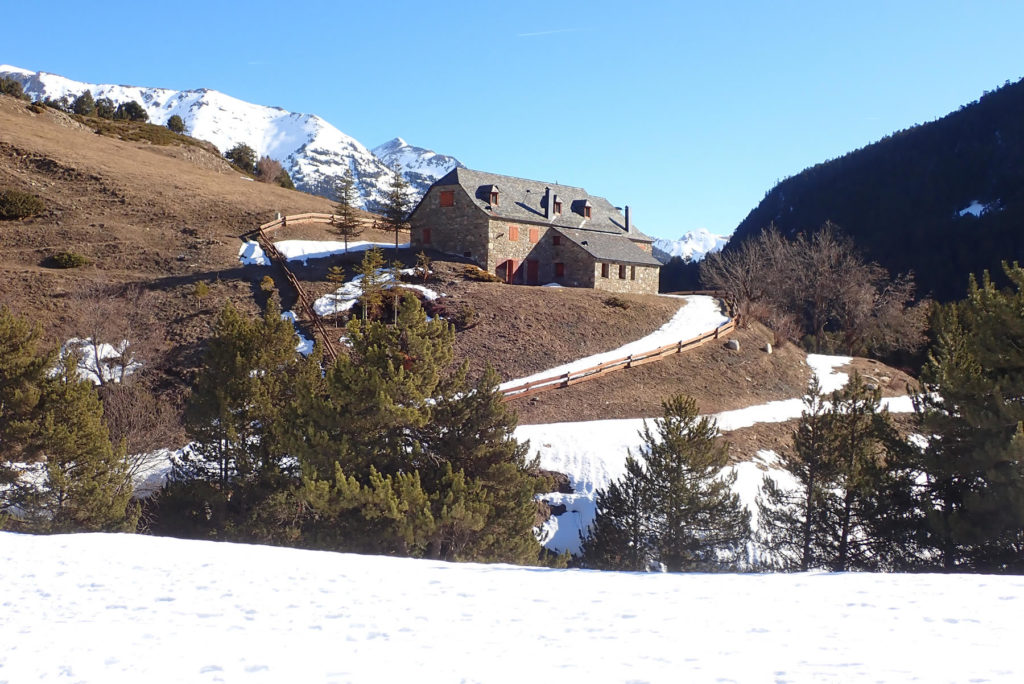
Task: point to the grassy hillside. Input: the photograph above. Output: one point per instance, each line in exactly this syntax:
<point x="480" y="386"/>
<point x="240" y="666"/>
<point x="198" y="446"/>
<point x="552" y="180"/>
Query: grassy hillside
<point x="163" y="218"/>
<point x="901" y="198"/>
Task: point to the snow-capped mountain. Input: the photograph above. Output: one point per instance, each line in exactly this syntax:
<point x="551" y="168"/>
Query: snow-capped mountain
<point x="314" y="152"/>
<point x="420" y="166"/>
<point x="691" y="247"/>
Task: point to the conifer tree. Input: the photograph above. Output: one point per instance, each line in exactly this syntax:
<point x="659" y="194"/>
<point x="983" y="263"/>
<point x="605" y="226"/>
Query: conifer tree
<point x="247" y="368"/>
<point x="372" y="283"/>
<point x="969" y="476"/>
<point x="87" y="486"/>
<point x="396" y="204"/>
<point x="176" y="124"/>
<point x="23" y="366"/>
<point x="693" y="519"/>
<point x="336" y="275"/>
<point x="84" y="104"/>
<point x="790" y="520"/>
<point x="620" y="537"/>
<point x="842" y="471"/>
<point x="346" y="218"/>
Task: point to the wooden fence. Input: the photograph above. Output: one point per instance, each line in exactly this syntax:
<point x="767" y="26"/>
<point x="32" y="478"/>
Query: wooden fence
<point x="298" y="220"/>
<point x="330" y="352"/>
<point x="602" y="369"/>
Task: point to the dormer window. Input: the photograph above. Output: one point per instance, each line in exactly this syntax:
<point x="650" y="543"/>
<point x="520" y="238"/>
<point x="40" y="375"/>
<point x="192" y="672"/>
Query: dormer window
<point x="493" y="195"/>
<point x="586" y="209"/>
<point x="558" y="207"/>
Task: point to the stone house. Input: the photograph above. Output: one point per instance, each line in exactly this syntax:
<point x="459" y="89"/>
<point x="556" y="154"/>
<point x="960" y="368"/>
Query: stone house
<point x="534" y="233"/>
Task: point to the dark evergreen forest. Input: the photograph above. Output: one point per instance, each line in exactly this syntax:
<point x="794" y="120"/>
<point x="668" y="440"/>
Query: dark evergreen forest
<point x="901" y="197"/>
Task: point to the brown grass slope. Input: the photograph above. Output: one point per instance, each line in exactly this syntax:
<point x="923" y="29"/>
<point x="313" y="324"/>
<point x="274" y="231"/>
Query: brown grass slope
<point x="165" y="217"/>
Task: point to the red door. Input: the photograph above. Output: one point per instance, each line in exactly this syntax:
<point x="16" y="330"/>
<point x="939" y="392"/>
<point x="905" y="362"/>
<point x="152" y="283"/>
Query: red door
<point x="507" y="270"/>
<point x="532" y="271"/>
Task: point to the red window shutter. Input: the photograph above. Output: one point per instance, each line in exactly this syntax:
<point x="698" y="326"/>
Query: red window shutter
<point x="534" y="236"/>
<point x="513" y="233"/>
<point x="426" y="236"/>
<point x="447" y="198"/>
<point x="559" y="270"/>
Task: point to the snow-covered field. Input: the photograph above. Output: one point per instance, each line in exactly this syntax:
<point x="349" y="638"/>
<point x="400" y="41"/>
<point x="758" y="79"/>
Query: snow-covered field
<point x="251" y="254"/>
<point x="111" y="609"/>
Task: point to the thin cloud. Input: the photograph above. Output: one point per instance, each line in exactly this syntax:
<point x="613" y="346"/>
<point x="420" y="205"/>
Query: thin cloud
<point x="548" y="33"/>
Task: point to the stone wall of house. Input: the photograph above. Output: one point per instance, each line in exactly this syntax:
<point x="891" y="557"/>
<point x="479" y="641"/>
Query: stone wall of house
<point x="646" y="281"/>
<point x="460" y="230"/>
<point x="578" y="264"/>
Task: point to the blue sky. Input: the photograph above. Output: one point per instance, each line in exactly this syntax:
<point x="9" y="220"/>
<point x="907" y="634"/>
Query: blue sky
<point x="688" y="112"/>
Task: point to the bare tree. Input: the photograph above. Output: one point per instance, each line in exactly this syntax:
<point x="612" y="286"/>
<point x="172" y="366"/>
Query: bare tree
<point x="818" y="285"/>
<point x="268" y="170"/>
<point x="112" y="332"/>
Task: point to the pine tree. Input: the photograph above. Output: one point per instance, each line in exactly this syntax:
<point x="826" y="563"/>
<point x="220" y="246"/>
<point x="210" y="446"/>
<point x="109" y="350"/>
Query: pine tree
<point x="372" y="283"/>
<point x="346" y="218"/>
<point x="87" y="486"/>
<point x="246" y="370"/>
<point x="969" y="476"/>
<point x="23" y="366"/>
<point x="620" y="536"/>
<point x="176" y="124"/>
<point x="84" y="104"/>
<point x="842" y="469"/>
<point x="790" y="520"/>
<point x="336" y="275"/>
<point x="396" y="204"/>
<point x="236" y="464"/>
<point x="490" y="512"/>
<point x="693" y="519"/>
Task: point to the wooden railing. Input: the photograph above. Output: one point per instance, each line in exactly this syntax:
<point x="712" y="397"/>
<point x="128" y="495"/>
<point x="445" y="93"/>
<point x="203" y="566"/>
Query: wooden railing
<point x="602" y="369"/>
<point x="330" y="352"/>
<point x="300" y="219"/>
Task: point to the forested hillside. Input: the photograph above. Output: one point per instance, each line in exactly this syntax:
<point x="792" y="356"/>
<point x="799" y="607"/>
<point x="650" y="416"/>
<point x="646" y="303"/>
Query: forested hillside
<point x="942" y="199"/>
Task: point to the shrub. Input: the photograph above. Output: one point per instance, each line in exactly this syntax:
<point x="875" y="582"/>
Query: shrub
<point x="105" y="108"/>
<point x="176" y="124"/>
<point x="476" y="273"/>
<point x="15" y="204"/>
<point x="285" y="181"/>
<point x="268" y="170"/>
<point x="267" y="284"/>
<point x="8" y="86"/>
<point x="69" y="260"/>
<point x="616" y="302"/>
<point x="36" y="108"/>
<point x="242" y="156"/>
<point x="84" y="104"/>
<point x="132" y="111"/>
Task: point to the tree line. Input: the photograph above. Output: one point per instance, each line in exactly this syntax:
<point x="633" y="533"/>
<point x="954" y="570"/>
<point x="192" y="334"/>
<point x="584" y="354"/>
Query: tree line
<point x="852" y="493"/>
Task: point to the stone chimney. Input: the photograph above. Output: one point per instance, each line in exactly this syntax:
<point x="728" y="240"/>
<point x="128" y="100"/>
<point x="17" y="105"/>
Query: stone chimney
<point x="547" y="203"/>
<point x="629" y="226"/>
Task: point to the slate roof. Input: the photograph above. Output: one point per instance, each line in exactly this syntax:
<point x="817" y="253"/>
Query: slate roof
<point x="609" y="247"/>
<point x="603" y="235"/>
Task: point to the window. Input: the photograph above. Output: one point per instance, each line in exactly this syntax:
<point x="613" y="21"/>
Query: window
<point x="559" y="270"/>
<point x="426" y="236"/>
<point x="622" y="271"/>
<point x="632" y="272"/>
<point x="556" y="240"/>
<point x="604" y="270"/>
<point x="558" y="207"/>
<point x="586" y="211"/>
<point x="494" y="197"/>
<point x="447" y="198"/>
<point x="534" y="236"/>
<point x="513" y="233"/>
